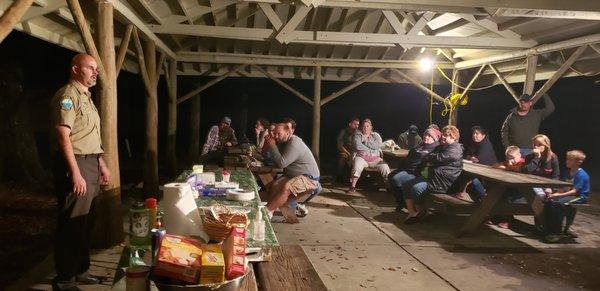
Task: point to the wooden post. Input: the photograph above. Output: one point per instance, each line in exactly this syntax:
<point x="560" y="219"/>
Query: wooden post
<point x="453" y="115"/>
<point x="194" y="149"/>
<point x="530" y="74"/>
<point x="316" y="133"/>
<point x="123" y="48"/>
<point x="12" y="15"/>
<point x="172" y="124"/>
<point x="151" y="149"/>
<point x="109" y="227"/>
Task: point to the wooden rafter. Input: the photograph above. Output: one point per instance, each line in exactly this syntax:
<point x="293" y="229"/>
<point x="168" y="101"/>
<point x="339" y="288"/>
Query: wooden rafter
<point x="208" y="84"/>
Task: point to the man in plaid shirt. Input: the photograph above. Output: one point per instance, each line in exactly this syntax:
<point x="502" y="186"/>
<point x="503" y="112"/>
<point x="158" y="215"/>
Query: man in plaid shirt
<point x="219" y="136"/>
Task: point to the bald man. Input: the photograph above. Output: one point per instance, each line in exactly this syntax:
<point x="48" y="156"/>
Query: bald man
<point x="78" y="172"/>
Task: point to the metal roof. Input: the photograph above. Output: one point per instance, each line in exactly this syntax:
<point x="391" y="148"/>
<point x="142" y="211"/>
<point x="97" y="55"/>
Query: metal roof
<point x="348" y="39"/>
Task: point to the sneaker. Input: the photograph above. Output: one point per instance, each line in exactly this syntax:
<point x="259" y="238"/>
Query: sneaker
<point x="553" y="238"/>
<point x="570" y="233"/>
<point x="301" y="210"/>
<point x="351" y="190"/>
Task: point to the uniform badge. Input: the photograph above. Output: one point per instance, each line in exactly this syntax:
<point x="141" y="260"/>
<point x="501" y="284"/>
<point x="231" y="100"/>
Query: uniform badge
<point x="66" y="104"/>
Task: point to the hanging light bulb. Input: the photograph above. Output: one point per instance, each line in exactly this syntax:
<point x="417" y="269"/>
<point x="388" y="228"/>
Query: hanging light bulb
<point x="426" y="64"/>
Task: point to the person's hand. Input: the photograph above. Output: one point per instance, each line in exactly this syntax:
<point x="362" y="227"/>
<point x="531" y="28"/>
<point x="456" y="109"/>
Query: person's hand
<point x="270" y="142"/>
<point x="228" y="144"/>
<point x="474" y="159"/>
<point x="79" y="185"/>
<point x="537" y="152"/>
<point x="257" y="131"/>
<point x="104" y="175"/>
<point x="548" y="191"/>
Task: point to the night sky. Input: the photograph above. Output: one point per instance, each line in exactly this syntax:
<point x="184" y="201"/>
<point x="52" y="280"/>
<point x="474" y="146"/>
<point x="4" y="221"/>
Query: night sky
<point x="392" y="107"/>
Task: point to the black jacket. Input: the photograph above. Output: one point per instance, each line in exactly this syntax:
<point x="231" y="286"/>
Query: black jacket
<point x="446" y="162"/>
<point x="541" y="167"/>
<point x="484" y="151"/>
<point x="415" y="157"/>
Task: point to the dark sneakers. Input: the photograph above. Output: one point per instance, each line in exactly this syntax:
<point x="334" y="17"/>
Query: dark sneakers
<point x="87" y="279"/>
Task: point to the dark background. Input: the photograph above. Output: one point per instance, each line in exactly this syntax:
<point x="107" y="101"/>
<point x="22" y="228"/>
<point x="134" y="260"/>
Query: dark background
<point x="392" y="107"/>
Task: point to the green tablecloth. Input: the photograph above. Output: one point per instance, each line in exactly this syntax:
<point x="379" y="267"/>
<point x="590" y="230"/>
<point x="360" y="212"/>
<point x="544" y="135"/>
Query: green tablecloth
<point x="247" y="181"/>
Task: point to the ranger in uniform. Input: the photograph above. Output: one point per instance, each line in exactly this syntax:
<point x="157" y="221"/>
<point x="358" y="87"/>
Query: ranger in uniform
<point x="78" y="172"/>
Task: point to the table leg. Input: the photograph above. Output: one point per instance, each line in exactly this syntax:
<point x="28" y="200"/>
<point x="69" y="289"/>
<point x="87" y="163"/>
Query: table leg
<point x="536" y="203"/>
<point x="494" y="194"/>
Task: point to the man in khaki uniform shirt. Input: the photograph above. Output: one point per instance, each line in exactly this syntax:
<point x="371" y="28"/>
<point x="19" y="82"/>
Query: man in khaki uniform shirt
<point x="78" y="172"/>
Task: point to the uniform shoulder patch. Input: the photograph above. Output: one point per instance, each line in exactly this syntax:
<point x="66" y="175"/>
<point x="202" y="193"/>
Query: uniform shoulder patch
<point x="66" y="104"/>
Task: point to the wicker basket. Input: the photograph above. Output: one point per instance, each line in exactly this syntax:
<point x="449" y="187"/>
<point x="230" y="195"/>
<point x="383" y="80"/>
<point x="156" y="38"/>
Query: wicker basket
<point x="219" y="229"/>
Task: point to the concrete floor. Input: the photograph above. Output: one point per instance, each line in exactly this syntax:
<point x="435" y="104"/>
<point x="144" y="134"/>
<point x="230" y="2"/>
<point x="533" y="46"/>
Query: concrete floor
<point x="358" y="242"/>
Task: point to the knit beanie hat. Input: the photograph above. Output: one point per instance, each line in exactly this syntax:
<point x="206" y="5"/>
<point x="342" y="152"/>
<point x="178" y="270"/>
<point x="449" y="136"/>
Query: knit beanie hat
<point x="434" y="133"/>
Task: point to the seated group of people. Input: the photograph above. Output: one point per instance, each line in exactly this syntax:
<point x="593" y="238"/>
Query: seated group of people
<point x="277" y="145"/>
<point x="434" y="165"/>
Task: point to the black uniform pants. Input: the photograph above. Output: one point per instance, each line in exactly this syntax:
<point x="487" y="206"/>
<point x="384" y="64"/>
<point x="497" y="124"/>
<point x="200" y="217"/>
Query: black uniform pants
<point x="75" y="216"/>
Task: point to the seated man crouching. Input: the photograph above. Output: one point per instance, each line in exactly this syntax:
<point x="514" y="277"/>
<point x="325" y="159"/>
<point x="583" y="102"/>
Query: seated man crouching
<point x="300" y="171"/>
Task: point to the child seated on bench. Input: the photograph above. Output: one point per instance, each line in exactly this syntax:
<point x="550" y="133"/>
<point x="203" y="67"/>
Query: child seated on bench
<point x="559" y="203"/>
<point x="514" y="162"/>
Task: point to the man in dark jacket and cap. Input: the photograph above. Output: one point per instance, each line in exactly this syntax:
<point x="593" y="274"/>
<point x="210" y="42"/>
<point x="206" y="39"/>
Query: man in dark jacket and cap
<point x="523" y="123"/>
<point x="410" y="139"/>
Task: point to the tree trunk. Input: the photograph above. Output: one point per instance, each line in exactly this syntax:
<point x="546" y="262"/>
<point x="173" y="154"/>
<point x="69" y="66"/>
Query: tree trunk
<point x="172" y="125"/>
<point x="109" y="221"/>
<point x="194" y="149"/>
<point x="151" y="150"/>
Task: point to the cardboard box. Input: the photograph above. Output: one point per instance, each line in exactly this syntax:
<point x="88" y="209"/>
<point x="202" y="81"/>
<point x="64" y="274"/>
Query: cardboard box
<point x="213" y="264"/>
<point x="234" y="249"/>
<point x="179" y="258"/>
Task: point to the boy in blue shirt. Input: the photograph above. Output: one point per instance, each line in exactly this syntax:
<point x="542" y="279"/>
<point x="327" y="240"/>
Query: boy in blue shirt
<point x="578" y="194"/>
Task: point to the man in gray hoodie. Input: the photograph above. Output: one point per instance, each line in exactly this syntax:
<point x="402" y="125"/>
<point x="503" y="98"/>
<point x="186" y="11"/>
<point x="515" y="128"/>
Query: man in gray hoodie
<point x="300" y="170"/>
<point x="523" y="123"/>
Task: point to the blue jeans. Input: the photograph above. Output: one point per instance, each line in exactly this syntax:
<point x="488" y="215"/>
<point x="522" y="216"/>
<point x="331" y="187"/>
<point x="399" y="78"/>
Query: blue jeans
<point x="478" y="188"/>
<point x="396" y="182"/>
<point x="415" y="189"/>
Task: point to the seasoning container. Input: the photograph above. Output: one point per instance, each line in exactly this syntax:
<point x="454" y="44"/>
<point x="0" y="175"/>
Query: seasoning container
<point x="139" y="219"/>
<point x="258" y="232"/>
<point x="152" y="207"/>
<point x="136" y="278"/>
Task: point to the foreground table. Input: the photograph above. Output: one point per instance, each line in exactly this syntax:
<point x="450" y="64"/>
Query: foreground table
<point x="497" y="181"/>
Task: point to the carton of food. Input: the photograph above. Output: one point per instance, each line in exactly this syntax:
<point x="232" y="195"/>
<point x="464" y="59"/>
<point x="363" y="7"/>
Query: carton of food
<point x="179" y="258"/>
<point x="213" y="264"/>
<point x="234" y="249"/>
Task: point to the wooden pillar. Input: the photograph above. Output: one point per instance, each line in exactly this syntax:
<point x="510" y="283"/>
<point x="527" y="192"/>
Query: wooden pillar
<point x="316" y="132"/>
<point x="172" y="124"/>
<point x="530" y="74"/>
<point x="151" y="149"/>
<point x="194" y="148"/>
<point x="12" y="15"/>
<point x="453" y="116"/>
<point x="109" y="227"/>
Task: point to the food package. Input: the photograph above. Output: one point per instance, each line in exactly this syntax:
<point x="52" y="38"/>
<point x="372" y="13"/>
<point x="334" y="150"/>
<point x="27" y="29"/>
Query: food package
<point x="179" y="258"/>
<point x="234" y="249"/>
<point x="213" y="264"/>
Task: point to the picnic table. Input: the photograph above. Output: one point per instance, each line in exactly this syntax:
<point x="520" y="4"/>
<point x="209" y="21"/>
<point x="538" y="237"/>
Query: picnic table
<point x="497" y="181"/>
<point x="397" y="153"/>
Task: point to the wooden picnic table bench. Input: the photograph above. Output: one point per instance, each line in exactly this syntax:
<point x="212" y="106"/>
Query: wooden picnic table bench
<point x="289" y="269"/>
<point x="497" y="181"/>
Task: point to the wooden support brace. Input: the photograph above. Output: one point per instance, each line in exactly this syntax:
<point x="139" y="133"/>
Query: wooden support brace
<point x="86" y="35"/>
<point x="210" y="83"/>
<point x="565" y="66"/>
<point x="12" y="15"/>
<point x="506" y="85"/>
<point x="595" y="47"/>
<point x="338" y="93"/>
<point x="287" y="31"/>
<point x="464" y="93"/>
<point x="530" y="74"/>
<point x="284" y="85"/>
<point x="159" y="66"/>
<point x="419" y="85"/>
<point x="123" y="48"/>
<point x="142" y="61"/>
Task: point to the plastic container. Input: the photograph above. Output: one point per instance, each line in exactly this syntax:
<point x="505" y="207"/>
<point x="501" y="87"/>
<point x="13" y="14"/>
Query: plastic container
<point x="258" y="232"/>
<point x="139" y="218"/>
<point x="137" y="278"/>
<point x="152" y="207"/>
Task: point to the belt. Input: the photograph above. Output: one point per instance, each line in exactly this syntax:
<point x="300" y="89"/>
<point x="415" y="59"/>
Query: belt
<point x="312" y="177"/>
<point x="88" y="156"/>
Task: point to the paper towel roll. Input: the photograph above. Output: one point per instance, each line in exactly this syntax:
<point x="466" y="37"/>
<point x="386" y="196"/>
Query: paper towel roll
<point x="181" y="216"/>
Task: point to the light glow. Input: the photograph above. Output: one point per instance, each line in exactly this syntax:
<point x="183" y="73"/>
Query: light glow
<point x="426" y="64"/>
